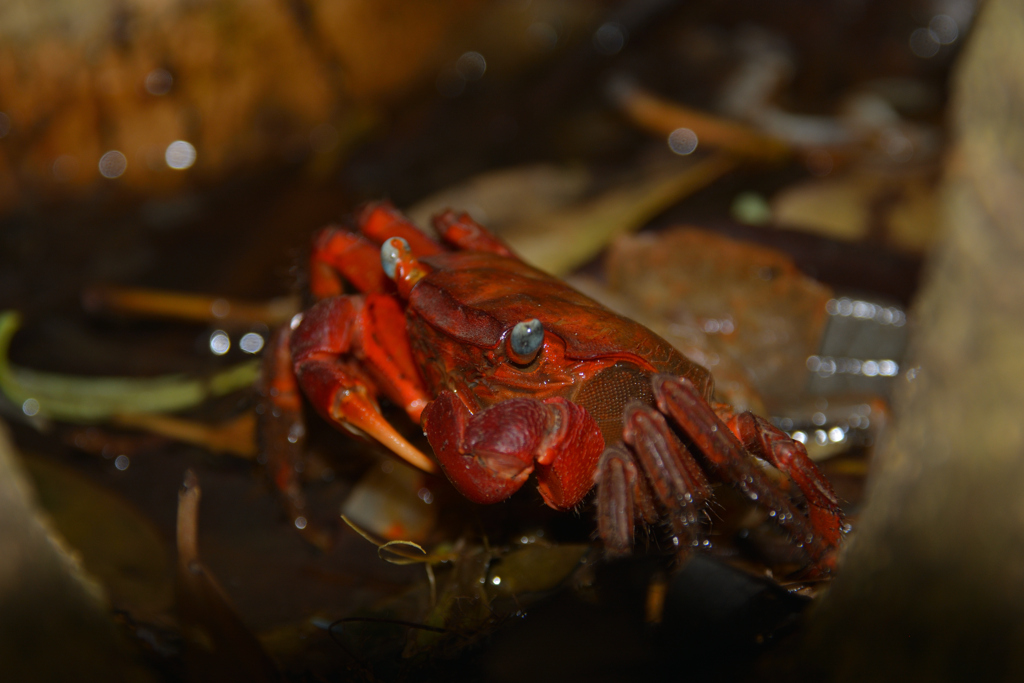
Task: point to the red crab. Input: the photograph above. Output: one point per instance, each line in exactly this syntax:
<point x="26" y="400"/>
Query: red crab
<point x="511" y="372"/>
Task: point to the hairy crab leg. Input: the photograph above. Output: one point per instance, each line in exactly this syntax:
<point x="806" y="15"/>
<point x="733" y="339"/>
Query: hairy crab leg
<point x="463" y="232"/>
<point x="678" y="398"/>
<point x="624" y="493"/>
<point x="672" y="473"/>
<point x="617" y="478"/>
<point x="336" y="332"/>
<point x="764" y="440"/>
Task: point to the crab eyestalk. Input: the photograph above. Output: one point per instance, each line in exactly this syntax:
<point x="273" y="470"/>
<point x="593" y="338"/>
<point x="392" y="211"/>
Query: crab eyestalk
<point x="400" y="265"/>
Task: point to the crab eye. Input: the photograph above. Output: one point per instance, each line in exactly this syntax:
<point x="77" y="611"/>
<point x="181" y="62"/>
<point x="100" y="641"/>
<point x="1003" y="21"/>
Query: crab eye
<point x="525" y="341"/>
<point x="390" y="253"/>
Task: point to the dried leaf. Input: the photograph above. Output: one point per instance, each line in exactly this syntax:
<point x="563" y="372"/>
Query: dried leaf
<point x="564" y="240"/>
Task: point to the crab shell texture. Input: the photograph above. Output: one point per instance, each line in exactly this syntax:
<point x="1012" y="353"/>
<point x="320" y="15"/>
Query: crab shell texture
<point x="460" y="318"/>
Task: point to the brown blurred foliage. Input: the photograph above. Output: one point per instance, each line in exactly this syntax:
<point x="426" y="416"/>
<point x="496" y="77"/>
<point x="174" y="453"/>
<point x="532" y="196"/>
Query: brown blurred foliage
<point x="246" y="83"/>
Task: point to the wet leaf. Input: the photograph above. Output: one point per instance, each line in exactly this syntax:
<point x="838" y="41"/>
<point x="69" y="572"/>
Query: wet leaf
<point x="116" y="544"/>
<point x="48" y="603"/>
<point x="83" y="399"/>
<point x="218" y="646"/>
<point x="535" y="567"/>
<point x="726" y="297"/>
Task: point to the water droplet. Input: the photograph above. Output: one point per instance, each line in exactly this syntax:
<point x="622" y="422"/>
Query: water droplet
<point x="220" y="308"/>
<point x="609" y="38"/>
<point x="682" y="141"/>
<point x="180" y="155"/>
<point x="113" y="164"/>
<point x="945" y="29"/>
<point x="251" y="342"/>
<point x="471" y="66"/>
<point x="924" y="43"/>
<point x="158" y="82"/>
<point x="220" y="342"/>
<point x="888" y="368"/>
<point x="64" y="168"/>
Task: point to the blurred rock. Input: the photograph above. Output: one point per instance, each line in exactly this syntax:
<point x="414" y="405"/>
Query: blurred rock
<point x="932" y="588"/>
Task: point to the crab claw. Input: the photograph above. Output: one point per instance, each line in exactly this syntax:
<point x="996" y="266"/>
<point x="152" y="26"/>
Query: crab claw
<point x="490" y="454"/>
<point x="343" y="390"/>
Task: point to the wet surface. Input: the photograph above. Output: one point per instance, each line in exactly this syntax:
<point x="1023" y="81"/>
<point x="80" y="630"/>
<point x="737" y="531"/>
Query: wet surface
<point x="247" y="239"/>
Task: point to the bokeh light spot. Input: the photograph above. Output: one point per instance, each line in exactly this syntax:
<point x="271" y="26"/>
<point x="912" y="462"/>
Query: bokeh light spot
<point x="471" y="66"/>
<point x="113" y="164"/>
<point x="180" y="155"/>
<point x="682" y="141"/>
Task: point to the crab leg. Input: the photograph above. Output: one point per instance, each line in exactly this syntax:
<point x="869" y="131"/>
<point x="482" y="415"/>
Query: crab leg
<point x="789" y="456"/>
<point x="489" y="455"/>
<point x="678" y="398"/>
<point x="339" y="255"/>
<point x="673" y="475"/>
<point x="656" y="466"/>
<point x="618" y="482"/>
<point x="380" y="221"/>
<point x="463" y="232"/>
<point x="338" y="252"/>
<point x="332" y="336"/>
<point x="282" y="432"/>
